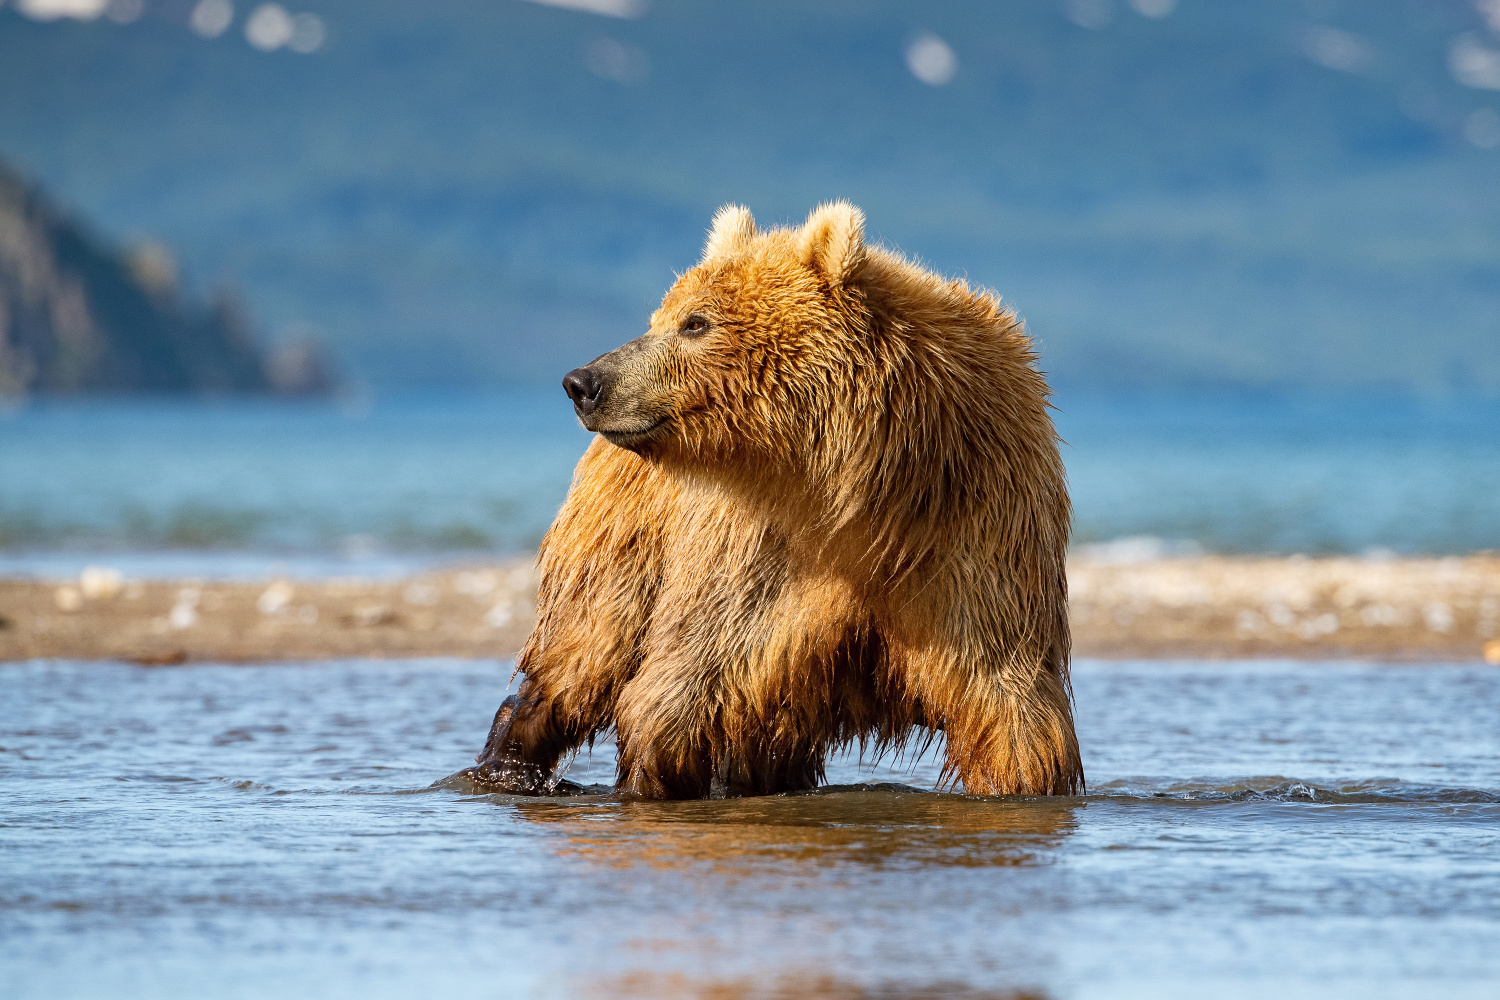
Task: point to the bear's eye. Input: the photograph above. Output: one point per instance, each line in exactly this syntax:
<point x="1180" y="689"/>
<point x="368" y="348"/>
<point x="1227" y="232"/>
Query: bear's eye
<point x="695" y="325"/>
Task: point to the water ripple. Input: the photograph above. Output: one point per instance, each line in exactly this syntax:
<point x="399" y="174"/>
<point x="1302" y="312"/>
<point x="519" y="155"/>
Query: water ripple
<point x="1280" y="789"/>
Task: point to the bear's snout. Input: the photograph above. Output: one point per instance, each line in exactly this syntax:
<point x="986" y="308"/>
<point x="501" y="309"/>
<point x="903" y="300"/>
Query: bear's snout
<point x="583" y="387"/>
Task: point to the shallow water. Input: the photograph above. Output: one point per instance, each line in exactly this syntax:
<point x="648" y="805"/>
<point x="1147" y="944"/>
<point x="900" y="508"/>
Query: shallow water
<point x="1251" y="830"/>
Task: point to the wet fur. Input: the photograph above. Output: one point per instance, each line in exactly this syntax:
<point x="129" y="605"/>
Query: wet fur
<point x="851" y="527"/>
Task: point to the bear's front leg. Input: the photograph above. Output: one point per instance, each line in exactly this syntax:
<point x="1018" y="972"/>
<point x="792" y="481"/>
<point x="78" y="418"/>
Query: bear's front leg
<point x="523" y="748"/>
<point x="1006" y="734"/>
<point x="664" y="759"/>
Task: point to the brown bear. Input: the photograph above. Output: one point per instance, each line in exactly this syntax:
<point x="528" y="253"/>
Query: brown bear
<point x="825" y="506"/>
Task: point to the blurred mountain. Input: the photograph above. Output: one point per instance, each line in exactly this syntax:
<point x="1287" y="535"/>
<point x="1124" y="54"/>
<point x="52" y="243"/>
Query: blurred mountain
<point x="1286" y="194"/>
<point x="76" y="316"/>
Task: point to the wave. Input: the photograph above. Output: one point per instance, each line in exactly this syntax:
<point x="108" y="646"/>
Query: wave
<point x="1198" y="791"/>
<point x="1375" y="791"/>
<point x="214" y="527"/>
<point x="1280" y="789"/>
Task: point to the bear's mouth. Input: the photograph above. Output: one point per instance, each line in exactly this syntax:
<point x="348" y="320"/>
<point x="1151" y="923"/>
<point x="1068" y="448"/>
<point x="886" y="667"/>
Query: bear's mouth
<point x="633" y="438"/>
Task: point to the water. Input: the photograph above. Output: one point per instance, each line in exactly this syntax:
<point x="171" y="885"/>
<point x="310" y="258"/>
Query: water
<point x="1251" y="830"/>
<point x="173" y="489"/>
<point x="261" y="479"/>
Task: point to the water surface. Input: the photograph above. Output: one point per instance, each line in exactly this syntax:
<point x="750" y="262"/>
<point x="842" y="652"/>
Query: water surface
<point x="1250" y="830"/>
<point x="244" y="488"/>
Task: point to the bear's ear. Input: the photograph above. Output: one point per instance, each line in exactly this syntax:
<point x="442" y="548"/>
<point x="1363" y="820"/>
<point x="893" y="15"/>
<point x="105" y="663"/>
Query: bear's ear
<point x="833" y="241"/>
<point x="733" y="227"/>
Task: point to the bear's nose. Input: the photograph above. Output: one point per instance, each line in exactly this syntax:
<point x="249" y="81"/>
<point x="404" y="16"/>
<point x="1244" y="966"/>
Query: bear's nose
<point x="582" y="387"/>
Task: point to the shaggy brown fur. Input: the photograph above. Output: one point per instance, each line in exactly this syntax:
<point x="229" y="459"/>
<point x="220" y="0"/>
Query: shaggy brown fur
<point x="826" y="506"/>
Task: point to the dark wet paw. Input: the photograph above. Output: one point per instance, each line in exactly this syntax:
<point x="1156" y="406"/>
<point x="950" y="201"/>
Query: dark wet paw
<point x="514" y="779"/>
<point x="507" y="777"/>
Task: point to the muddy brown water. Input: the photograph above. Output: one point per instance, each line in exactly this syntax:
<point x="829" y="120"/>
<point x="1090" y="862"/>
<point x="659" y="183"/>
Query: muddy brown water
<point x="1251" y="829"/>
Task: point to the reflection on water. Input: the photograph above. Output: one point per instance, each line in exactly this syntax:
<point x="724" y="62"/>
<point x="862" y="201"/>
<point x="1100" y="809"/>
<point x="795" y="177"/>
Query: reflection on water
<point x="756" y="836"/>
<point x="1251" y="829"/>
<point x="812" y="986"/>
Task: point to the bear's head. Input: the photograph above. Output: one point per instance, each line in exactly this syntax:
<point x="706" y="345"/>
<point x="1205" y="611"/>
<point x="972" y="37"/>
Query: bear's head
<point x="858" y="397"/>
<point x="748" y="353"/>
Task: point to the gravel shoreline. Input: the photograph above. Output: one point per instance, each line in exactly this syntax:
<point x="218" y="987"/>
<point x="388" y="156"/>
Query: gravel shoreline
<point x="1300" y="608"/>
<point x="1200" y="607"/>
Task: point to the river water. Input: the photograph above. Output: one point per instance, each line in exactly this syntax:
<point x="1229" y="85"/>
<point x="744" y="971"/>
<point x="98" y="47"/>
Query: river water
<point x="1251" y="830"/>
